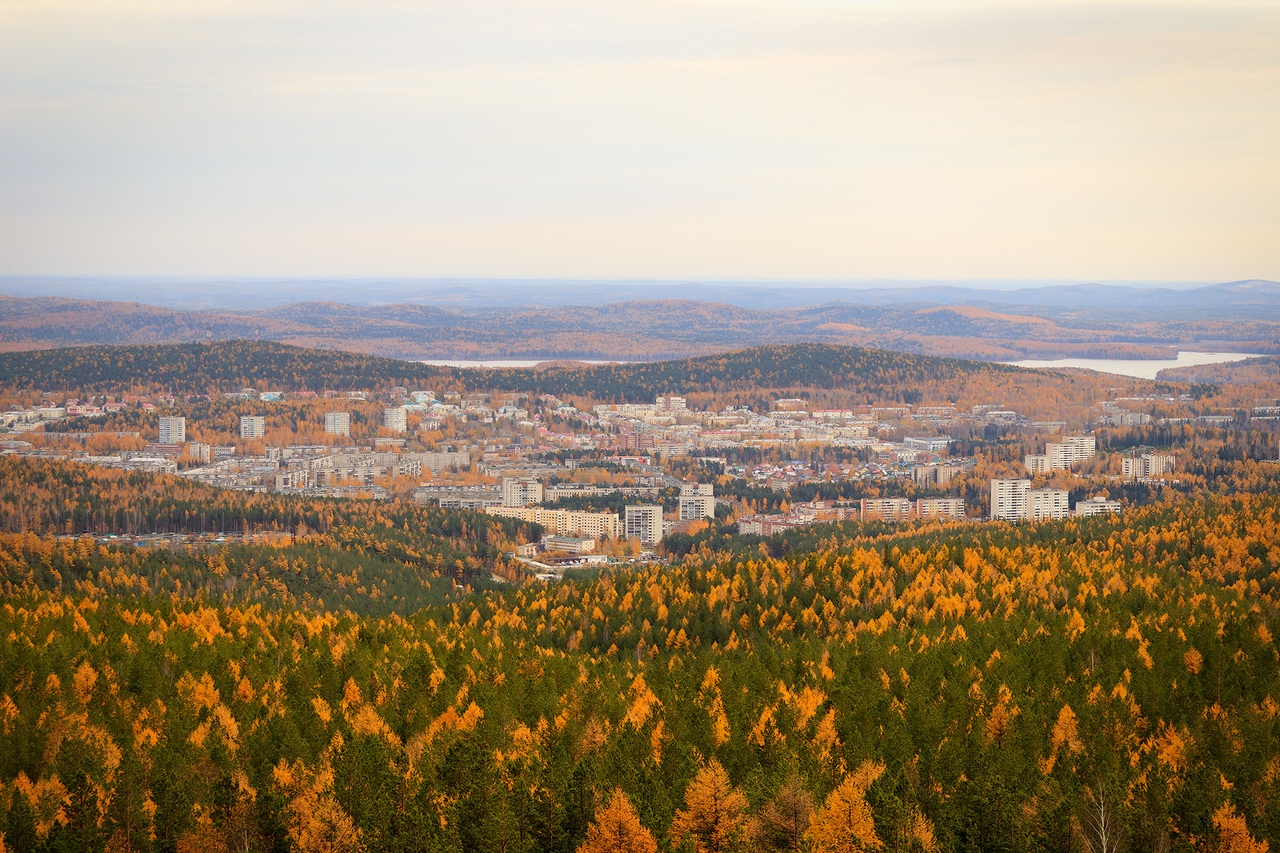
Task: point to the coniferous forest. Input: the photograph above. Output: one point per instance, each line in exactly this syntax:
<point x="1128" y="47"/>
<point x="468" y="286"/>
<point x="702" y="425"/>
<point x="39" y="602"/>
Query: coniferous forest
<point x="335" y="681"/>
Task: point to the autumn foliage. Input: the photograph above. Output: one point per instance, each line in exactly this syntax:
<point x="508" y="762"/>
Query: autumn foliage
<point x="945" y="687"/>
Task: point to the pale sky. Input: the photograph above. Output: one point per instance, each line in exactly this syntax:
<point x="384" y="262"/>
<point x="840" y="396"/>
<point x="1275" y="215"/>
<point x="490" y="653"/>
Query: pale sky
<point x="656" y="139"/>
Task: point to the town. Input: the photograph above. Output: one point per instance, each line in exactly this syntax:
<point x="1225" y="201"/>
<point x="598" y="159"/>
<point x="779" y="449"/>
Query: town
<point x="611" y="481"/>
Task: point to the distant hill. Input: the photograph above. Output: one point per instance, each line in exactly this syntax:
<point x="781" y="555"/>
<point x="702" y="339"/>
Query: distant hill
<point x="470" y="295"/>
<point x="1248" y="371"/>
<point x="1080" y="321"/>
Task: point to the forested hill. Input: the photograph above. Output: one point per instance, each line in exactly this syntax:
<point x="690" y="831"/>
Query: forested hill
<point x="223" y="365"/>
<point x="230" y="365"/>
<point x="877" y="373"/>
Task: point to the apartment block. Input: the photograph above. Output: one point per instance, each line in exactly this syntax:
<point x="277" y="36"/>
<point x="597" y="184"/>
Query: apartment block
<point x="173" y="430"/>
<point x="644" y="523"/>
<point x="940" y="475"/>
<point x="939" y="508"/>
<point x="1047" y="505"/>
<point x="697" y="500"/>
<point x="1036" y="463"/>
<point x="886" y="509"/>
<point x="1009" y="499"/>
<point x="253" y="426"/>
<point x="396" y="419"/>
<point x="1062" y="455"/>
<point x="1076" y="448"/>
<point x="521" y="491"/>
<point x="669" y="404"/>
<point x="563" y="522"/>
<point x="1148" y="466"/>
<point x="931" y="444"/>
<point x="767" y="525"/>
<point x="337" y="423"/>
<point x="1096" y="506"/>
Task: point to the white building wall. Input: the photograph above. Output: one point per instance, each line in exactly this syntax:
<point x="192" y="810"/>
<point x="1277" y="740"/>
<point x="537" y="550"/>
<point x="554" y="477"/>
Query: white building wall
<point x="1009" y="499"/>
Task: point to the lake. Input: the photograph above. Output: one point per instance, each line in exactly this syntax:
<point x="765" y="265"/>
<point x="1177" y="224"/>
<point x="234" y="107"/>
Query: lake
<point x="1142" y="368"/>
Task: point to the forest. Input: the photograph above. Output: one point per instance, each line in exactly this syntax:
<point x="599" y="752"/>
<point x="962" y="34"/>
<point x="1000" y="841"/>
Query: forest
<point x="1106" y="683"/>
<point x="837" y="374"/>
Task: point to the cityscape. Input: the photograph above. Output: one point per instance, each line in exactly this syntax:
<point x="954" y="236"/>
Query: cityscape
<point x="696" y="426"/>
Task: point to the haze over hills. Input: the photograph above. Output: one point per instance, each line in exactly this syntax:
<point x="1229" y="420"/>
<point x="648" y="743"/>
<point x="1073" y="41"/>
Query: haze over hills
<point x="196" y="293"/>
<point x="442" y="321"/>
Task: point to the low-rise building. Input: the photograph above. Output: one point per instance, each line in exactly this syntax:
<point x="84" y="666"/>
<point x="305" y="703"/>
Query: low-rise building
<point x="1096" y="506"/>
<point x="569" y="544"/>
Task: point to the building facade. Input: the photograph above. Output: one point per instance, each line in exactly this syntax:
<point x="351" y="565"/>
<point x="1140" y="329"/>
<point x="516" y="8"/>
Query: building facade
<point x="1062" y="455"/>
<point x="396" y="419"/>
<point x="1047" y="505"/>
<point x="253" y="426"/>
<point x="521" y="491"/>
<point x="886" y="509"/>
<point x="1096" y="506"/>
<point x="564" y="522"/>
<point x="644" y="523"/>
<point x="697" y="500"/>
<point x="173" y="430"/>
<point x="1009" y="499"/>
<point x="939" y="508"/>
<point x="1148" y="466"/>
<point x="337" y="423"/>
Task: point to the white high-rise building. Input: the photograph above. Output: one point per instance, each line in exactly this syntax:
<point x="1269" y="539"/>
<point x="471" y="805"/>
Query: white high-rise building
<point x="253" y="426"/>
<point x="1037" y="463"/>
<point x="1009" y="499"/>
<point x="521" y="491"/>
<point x="396" y="419"/>
<point x="1077" y="448"/>
<point x="1148" y="466"/>
<point x="1062" y="455"/>
<point x="1047" y="504"/>
<point x="173" y="430"/>
<point x="337" y="423"/>
<point x="644" y="523"/>
<point x="697" y="500"/>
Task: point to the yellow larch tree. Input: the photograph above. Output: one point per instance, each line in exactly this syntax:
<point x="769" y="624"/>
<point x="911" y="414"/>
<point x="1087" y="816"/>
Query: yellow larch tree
<point x="714" y="818"/>
<point x="1233" y="833"/>
<point x="844" y="824"/>
<point x="617" y="829"/>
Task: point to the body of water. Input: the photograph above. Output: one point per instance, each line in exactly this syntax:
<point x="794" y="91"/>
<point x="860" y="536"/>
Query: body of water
<point x="1142" y="368"/>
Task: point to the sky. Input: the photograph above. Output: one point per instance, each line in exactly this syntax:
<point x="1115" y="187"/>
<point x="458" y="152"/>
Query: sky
<point x="662" y="139"/>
